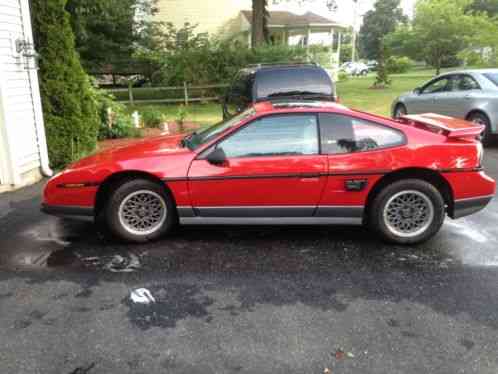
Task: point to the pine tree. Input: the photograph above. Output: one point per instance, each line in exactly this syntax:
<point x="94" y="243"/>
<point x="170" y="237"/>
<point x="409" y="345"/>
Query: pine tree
<point x="68" y="99"/>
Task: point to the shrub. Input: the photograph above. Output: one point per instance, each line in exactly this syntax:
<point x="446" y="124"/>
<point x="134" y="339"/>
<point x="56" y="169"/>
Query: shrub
<point x="69" y="103"/>
<point x="181" y="115"/>
<point x="399" y="65"/>
<point x="343" y="76"/>
<point x="199" y="60"/>
<point x="476" y="58"/>
<point x="115" y="123"/>
<point x="151" y="118"/>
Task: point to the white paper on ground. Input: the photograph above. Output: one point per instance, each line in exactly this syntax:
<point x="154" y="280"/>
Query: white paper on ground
<point x="142" y="296"/>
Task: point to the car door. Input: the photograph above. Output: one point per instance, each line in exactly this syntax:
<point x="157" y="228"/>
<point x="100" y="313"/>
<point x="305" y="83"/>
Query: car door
<point x="272" y="168"/>
<point x="431" y="97"/>
<point x="460" y="99"/>
<point x="359" y="153"/>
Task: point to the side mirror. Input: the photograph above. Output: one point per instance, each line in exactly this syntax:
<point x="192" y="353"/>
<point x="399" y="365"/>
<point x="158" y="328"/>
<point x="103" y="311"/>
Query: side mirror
<point x="217" y="157"/>
<point x="417" y="90"/>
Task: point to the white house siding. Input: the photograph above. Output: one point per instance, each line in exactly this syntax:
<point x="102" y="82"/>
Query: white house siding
<point x="22" y="137"/>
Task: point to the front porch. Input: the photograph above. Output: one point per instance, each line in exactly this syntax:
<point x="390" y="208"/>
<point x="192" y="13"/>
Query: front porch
<point x="321" y="36"/>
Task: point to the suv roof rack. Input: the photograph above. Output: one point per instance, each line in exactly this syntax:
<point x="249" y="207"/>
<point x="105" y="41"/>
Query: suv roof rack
<point x="281" y="64"/>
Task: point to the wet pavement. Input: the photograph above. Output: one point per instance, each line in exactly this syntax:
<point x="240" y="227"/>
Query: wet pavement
<point x="246" y="300"/>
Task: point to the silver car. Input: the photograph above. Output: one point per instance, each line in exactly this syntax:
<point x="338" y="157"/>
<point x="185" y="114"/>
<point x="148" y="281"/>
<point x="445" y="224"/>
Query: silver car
<point x="468" y="94"/>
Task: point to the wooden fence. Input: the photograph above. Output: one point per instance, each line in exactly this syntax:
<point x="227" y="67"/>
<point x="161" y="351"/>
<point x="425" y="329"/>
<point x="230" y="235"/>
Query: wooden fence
<point x="186" y="97"/>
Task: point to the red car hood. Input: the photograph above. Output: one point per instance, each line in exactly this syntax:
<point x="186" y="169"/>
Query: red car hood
<point x="142" y="148"/>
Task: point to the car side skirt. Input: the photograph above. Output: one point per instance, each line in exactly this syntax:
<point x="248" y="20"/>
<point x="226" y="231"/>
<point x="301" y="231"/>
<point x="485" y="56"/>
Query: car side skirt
<point x="271" y="215"/>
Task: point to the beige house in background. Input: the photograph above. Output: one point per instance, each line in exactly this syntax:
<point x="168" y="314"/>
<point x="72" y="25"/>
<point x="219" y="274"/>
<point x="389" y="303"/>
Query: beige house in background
<point x="233" y="18"/>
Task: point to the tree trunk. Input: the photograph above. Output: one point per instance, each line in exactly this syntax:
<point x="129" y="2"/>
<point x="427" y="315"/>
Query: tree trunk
<point x="258" y="23"/>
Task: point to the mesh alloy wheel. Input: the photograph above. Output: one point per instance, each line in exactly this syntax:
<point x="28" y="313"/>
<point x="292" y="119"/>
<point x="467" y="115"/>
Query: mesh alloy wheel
<point x="408" y="213"/>
<point x="142" y="212"/>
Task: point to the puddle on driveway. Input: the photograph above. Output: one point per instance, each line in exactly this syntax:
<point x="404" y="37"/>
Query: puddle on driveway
<point x="53" y="243"/>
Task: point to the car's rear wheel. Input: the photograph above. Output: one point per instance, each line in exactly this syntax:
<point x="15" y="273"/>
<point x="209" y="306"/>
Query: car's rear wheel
<point x="407" y="212"/>
<point x="400" y="111"/>
<point x="140" y="210"/>
<point x="481" y="119"/>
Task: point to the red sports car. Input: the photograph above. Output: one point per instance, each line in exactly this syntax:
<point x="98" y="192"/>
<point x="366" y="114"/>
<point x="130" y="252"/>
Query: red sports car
<point x="285" y="163"/>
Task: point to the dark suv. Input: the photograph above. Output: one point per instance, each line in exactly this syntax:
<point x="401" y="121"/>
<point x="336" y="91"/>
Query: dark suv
<point x="265" y="82"/>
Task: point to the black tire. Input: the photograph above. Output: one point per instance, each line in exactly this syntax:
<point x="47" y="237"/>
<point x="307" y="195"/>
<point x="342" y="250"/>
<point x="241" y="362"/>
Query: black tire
<point x="482" y="119"/>
<point x="424" y="193"/>
<point x="162" y="202"/>
<point x="399" y="110"/>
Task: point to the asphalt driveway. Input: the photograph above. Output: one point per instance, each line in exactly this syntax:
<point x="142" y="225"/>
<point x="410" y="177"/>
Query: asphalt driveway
<point x="246" y="300"/>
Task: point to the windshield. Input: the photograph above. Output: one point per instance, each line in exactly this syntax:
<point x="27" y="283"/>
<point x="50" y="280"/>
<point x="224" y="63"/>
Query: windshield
<point x="195" y="140"/>
<point x="493" y="77"/>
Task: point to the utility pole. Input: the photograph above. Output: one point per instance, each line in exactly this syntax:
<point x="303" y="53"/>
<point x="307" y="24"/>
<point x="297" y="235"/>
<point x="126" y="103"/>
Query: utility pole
<point x="355" y="21"/>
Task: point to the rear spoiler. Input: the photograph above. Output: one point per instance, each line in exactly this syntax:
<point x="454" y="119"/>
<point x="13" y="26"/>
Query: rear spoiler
<point x="449" y="126"/>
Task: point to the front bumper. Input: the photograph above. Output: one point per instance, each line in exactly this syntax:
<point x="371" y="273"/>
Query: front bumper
<point x="466" y="207"/>
<point x="67" y="211"/>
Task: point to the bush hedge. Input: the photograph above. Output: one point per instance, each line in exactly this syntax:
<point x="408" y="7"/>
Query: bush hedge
<point x="399" y="65"/>
<point x="69" y="102"/>
<point x="115" y="123"/>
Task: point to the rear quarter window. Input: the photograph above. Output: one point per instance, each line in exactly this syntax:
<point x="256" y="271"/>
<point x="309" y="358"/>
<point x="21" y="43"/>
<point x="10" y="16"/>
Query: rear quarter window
<point x="345" y="134"/>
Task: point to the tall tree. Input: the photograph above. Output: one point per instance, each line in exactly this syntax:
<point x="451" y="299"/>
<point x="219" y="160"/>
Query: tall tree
<point x="259" y="23"/>
<point x="377" y="23"/>
<point x="107" y="31"/>
<point x="441" y="28"/>
<point x="68" y="99"/>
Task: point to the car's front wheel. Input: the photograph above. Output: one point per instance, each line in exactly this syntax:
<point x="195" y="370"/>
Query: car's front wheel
<point x="407" y="212"/>
<point x="140" y="210"/>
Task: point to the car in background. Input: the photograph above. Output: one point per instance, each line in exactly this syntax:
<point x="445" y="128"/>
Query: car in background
<point x="285" y="163"/>
<point x="270" y="82"/>
<point x="372" y="65"/>
<point x="470" y="94"/>
<point x="355" y="68"/>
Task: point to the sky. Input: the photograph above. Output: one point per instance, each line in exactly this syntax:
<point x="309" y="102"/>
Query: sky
<point x="344" y="13"/>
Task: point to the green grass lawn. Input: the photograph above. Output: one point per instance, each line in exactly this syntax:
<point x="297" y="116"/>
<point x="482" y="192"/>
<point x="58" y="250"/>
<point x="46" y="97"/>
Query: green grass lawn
<point x="355" y="93"/>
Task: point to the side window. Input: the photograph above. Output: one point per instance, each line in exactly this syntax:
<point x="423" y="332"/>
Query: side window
<point x="344" y="134"/>
<point x="282" y="135"/>
<point x="441" y="85"/>
<point x="467" y="83"/>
